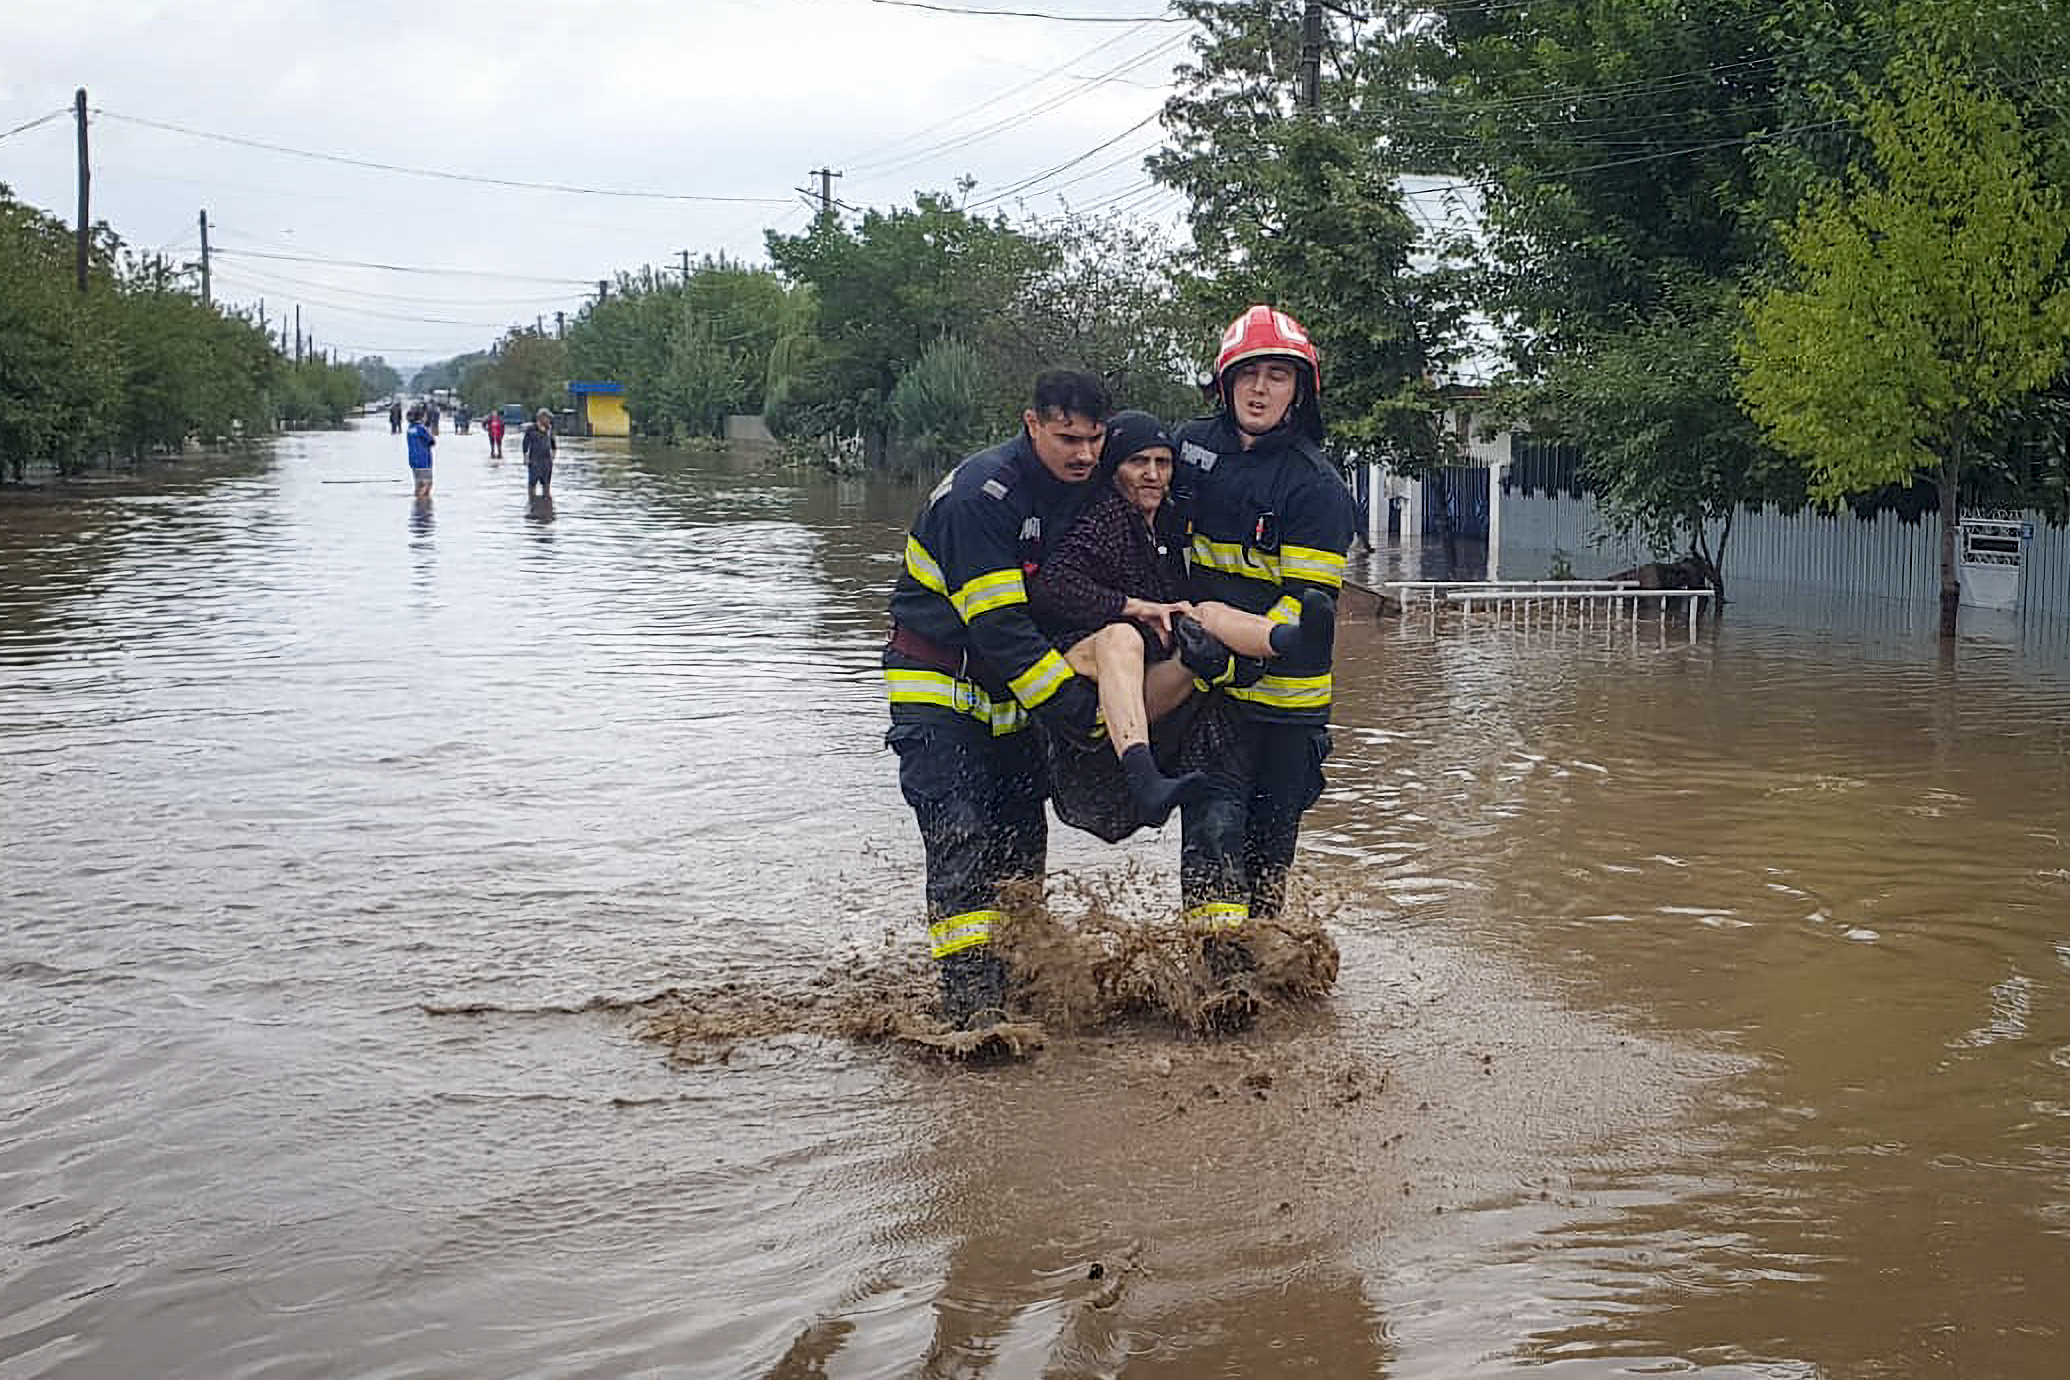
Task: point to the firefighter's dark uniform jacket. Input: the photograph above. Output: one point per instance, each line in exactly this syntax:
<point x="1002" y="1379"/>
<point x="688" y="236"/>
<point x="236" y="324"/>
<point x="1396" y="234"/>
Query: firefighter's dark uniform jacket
<point x="964" y="669"/>
<point x="964" y="590"/>
<point x="1266" y="525"/>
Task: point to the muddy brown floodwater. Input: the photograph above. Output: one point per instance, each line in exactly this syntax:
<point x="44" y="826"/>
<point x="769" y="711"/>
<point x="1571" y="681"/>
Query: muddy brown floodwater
<point x="458" y="941"/>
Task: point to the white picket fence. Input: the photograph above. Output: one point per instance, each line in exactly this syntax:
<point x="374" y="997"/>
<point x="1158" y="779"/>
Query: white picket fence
<point x="1811" y="550"/>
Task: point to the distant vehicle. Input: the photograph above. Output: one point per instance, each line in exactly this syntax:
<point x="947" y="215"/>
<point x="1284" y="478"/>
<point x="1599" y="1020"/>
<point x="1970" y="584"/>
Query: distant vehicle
<point x="513" y="414"/>
<point x="443" y="397"/>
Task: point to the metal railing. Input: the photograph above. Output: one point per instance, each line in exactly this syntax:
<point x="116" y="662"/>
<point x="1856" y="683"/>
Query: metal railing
<point x="1532" y="603"/>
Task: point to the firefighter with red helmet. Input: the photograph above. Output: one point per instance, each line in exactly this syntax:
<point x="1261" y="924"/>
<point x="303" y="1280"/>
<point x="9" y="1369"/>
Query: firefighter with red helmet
<point x="1271" y="520"/>
<point x="965" y="668"/>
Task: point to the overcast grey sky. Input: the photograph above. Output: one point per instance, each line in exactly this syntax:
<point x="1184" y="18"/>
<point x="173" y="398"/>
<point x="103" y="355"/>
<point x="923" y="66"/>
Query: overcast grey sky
<point x="712" y="98"/>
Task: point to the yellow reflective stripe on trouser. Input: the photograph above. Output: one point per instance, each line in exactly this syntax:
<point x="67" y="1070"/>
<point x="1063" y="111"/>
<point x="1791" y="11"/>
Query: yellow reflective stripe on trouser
<point x="1213" y="916"/>
<point x="953" y="934"/>
<point x="1316" y="567"/>
<point x="924" y="568"/>
<point x="1287" y="610"/>
<point x="1036" y="684"/>
<point x="1234" y="558"/>
<point x="944" y="691"/>
<point x="987" y="592"/>
<point x="1287" y="692"/>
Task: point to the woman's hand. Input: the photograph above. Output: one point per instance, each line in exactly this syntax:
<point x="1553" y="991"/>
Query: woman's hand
<point x="1157" y="617"/>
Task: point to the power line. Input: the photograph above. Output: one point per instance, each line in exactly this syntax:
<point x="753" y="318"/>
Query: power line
<point x="39" y="120"/>
<point x="1166" y="18"/>
<point x="306" y="299"/>
<point x="402" y="268"/>
<point x="1025" y="183"/>
<point x="992" y="102"/>
<point x="884" y="167"/>
<point x="285" y="283"/>
<point x="430" y="172"/>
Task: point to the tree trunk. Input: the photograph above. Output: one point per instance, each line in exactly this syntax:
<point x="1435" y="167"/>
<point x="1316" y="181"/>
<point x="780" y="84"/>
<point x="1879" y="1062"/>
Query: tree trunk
<point x="1951" y="585"/>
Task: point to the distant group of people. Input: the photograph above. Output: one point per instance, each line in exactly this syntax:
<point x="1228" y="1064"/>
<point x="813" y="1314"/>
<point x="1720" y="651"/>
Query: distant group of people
<point x="1064" y="592"/>
<point x="540" y="443"/>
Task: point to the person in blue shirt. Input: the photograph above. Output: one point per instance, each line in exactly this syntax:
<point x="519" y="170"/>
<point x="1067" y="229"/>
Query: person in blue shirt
<point x="421" y="442"/>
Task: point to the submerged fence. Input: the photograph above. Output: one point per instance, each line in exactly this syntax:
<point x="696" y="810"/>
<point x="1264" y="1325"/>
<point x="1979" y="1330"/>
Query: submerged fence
<point x="1880" y="555"/>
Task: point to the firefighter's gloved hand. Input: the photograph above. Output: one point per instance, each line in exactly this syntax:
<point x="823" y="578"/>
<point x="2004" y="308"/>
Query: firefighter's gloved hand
<point x="1073" y="709"/>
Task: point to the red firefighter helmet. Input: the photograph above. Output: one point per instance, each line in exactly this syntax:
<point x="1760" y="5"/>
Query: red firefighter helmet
<point x="1266" y="332"/>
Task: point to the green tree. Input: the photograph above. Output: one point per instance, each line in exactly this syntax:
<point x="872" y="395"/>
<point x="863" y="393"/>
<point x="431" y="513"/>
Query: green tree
<point x="1928" y="299"/>
<point x="1304" y="209"/>
<point x="1106" y="300"/>
<point x="884" y="291"/>
<point x="692" y="351"/>
<point x="1670" y="455"/>
<point x="938" y="407"/>
<point x="377" y="379"/>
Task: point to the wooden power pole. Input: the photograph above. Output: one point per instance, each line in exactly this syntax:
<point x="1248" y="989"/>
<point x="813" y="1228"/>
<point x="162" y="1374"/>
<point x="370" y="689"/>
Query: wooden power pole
<point x="85" y="178"/>
<point x="1311" y="56"/>
<point x="204" y="259"/>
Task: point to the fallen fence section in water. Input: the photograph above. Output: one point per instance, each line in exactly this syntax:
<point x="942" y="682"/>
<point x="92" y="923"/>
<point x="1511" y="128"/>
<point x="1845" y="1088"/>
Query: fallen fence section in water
<point x="1535" y="603"/>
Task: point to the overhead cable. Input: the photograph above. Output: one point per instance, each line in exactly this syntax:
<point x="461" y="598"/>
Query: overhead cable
<point x="398" y="268"/>
<point x="1027" y="182"/>
<point x="1166" y="18"/>
<point x="874" y="156"/>
<point x="378" y="166"/>
<point x="25" y="127"/>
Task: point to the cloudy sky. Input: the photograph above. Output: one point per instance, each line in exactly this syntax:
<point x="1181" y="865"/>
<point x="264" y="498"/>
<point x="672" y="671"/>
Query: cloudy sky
<point x="734" y="101"/>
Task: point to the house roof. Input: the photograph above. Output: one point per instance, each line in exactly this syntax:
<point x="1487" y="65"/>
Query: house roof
<point x="581" y="386"/>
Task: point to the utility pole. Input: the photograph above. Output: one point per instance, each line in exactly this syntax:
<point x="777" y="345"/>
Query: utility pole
<point x="204" y="258"/>
<point x="560" y="325"/>
<point x="686" y="266"/>
<point x="298" y="332"/>
<point x="826" y="178"/>
<point x="1311" y="56"/>
<point x="603" y="290"/>
<point x="85" y="178"/>
<point x="538" y="325"/>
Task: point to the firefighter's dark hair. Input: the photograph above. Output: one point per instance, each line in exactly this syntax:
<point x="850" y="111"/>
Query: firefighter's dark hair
<point x="1071" y="393"/>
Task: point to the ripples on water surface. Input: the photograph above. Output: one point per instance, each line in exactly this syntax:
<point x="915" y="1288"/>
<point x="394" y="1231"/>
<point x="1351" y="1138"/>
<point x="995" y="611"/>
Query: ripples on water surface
<point x="1703" y="1005"/>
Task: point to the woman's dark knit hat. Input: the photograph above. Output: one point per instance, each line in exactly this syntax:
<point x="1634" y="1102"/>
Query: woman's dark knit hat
<point x="1129" y="432"/>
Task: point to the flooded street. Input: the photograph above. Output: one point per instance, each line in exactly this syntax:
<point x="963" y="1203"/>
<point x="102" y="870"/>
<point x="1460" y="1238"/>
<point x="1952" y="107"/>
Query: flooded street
<point x="1702" y="1009"/>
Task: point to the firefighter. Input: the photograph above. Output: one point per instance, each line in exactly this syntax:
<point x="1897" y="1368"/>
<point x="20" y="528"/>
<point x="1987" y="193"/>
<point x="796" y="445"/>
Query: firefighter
<point x="1271" y="520"/>
<point x="965" y="667"/>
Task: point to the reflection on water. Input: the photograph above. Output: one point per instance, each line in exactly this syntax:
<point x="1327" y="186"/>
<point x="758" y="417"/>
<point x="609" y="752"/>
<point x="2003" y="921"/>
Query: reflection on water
<point x="1703" y="1002"/>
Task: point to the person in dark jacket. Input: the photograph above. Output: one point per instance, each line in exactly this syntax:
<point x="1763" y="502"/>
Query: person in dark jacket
<point x="1271" y="520"/>
<point x="965" y="668"/>
<point x="540" y="449"/>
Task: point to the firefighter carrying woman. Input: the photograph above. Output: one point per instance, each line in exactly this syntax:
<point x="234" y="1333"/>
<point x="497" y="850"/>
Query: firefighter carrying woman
<point x="1097" y="572"/>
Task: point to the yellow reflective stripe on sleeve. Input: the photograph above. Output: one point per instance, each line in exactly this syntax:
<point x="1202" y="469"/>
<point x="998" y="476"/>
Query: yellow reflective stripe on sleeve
<point x="988" y="592"/>
<point x="944" y="691"/>
<point x="924" y="567"/>
<point x="955" y="933"/>
<point x="1234" y="558"/>
<point x="1035" y="685"/>
<point x="1287" y="610"/>
<point x="1287" y="692"/>
<point x="1217" y="915"/>
<point x="1316" y="567"/>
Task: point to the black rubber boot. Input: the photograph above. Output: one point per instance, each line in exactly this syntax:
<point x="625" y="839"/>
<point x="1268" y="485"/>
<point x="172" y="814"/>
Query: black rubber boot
<point x="1200" y="651"/>
<point x="1311" y="639"/>
<point x="1155" y="794"/>
<point x="973" y="989"/>
<point x="1233" y="1005"/>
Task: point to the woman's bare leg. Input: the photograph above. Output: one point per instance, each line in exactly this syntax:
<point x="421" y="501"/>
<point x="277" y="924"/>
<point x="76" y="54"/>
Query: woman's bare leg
<point x="1165" y="687"/>
<point x="1250" y="634"/>
<point x="1113" y="657"/>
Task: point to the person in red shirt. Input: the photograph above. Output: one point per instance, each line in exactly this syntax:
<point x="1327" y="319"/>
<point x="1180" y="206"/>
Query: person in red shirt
<point x="494" y="426"/>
